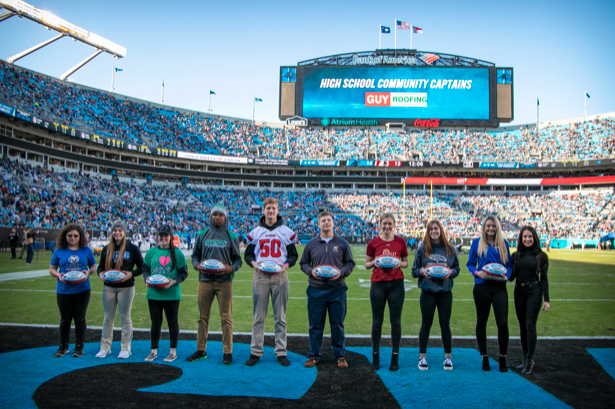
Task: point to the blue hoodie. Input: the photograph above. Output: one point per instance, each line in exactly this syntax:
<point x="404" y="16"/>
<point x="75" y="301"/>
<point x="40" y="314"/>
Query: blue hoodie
<point x="492" y="256"/>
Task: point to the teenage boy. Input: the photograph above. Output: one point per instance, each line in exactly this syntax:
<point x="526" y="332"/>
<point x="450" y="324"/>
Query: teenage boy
<point x="271" y="240"/>
<point x="327" y="295"/>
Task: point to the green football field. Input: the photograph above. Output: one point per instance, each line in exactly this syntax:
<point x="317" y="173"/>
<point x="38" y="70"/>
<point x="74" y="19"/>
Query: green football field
<point x="582" y="290"/>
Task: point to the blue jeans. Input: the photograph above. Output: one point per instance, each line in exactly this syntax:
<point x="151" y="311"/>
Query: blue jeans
<point x="30" y="254"/>
<point x="319" y="302"/>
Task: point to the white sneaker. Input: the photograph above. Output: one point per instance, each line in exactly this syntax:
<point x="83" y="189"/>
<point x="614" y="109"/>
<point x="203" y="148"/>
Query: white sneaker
<point x="124" y="354"/>
<point x="423" y="364"/>
<point x="448" y="364"/>
<point x="102" y="353"/>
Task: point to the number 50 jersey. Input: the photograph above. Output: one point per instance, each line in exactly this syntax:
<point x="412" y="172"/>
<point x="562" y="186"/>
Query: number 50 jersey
<point x="272" y="243"/>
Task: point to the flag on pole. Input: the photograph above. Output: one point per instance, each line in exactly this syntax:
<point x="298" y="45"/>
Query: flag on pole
<point x="417" y="30"/>
<point x="401" y="25"/>
<point x="385" y="30"/>
<point x="537" y="101"/>
<point x="257" y="99"/>
<point x="211" y="92"/>
<point x="587" y="95"/>
<point x="118" y="69"/>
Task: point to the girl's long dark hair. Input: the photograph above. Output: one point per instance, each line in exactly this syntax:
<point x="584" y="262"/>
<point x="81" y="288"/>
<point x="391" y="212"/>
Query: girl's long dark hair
<point x="535" y="249"/>
<point x="62" y="243"/>
<point x="172" y="250"/>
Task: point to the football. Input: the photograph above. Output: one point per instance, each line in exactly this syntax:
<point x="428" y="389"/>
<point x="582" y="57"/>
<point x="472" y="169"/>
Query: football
<point x="494" y="270"/>
<point x="387" y="261"/>
<point x="113" y="276"/>
<point x="269" y="267"/>
<point x="157" y="281"/>
<point x="326" y="271"/>
<point x="74" y="277"/>
<point x="437" y="270"/>
<point x="212" y="266"/>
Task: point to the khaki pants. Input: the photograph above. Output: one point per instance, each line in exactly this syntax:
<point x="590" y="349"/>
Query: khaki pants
<point x="207" y="290"/>
<point x="263" y="285"/>
<point x="112" y="298"/>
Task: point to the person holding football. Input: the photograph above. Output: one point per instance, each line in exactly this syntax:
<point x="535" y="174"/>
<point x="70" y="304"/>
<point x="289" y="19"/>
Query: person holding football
<point x="216" y="243"/>
<point x="166" y="260"/>
<point x="327" y="295"/>
<point x="489" y="248"/>
<point x="436" y="292"/>
<point x="272" y="241"/>
<point x="529" y="267"/>
<point x="72" y="254"/>
<point x="387" y="286"/>
<point x="120" y="254"/>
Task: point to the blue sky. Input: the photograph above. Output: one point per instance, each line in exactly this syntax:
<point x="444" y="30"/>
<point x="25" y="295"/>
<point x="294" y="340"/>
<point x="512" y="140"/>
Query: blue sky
<point x="558" y="49"/>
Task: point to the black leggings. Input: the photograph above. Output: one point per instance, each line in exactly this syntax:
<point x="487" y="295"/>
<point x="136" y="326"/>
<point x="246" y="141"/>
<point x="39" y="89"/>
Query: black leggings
<point x="394" y="292"/>
<point x="73" y="306"/>
<point x="429" y="302"/>
<point x="171" y="311"/>
<point x="487" y="294"/>
<point x="528" y="301"/>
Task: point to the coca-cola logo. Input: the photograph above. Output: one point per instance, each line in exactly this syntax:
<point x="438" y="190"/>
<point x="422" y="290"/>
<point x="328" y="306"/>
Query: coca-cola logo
<point x="427" y="123"/>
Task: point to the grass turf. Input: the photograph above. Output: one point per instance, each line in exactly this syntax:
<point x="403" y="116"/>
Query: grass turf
<point x="576" y="278"/>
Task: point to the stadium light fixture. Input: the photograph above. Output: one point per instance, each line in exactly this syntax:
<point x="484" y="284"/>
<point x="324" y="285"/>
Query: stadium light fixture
<point x="51" y="21"/>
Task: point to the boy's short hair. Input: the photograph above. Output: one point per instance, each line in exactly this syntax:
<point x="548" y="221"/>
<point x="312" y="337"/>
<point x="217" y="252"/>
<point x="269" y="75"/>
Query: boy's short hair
<point x="324" y="214"/>
<point x="270" y="200"/>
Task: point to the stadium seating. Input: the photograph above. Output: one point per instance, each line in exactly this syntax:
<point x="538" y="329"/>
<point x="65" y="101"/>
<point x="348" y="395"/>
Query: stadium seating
<point x="33" y="196"/>
<point x="134" y="121"/>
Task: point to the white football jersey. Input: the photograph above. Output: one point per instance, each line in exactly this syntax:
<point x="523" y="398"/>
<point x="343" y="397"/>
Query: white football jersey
<point x="270" y="245"/>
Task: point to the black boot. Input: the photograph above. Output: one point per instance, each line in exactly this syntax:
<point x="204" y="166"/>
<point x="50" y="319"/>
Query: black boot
<point x="486" y="366"/>
<point x="375" y="361"/>
<point x="528" y="368"/>
<point x="520" y="367"/>
<point x="503" y="367"/>
<point x="394" y="363"/>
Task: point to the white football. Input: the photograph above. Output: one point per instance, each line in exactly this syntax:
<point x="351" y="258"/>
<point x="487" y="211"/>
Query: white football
<point x="387" y="261"/>
<point x="269" y="267"/>
<point x="113" y="276"/>
<point x="494" y="269"/>
<point x="157" y="281"/>
<point x="74" y="277"/>
<point x="212" y="266"/>
<point x="437" y="270"/>
<point x="326" y="271"/>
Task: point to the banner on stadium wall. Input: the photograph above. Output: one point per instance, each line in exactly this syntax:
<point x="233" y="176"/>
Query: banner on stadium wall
<point x="6" y="109"/>
<point x="373" y="163"/>
<point x="591" y="180"/>
<point x="320" y="162"/>
<point x="268" y="162"/>
<point x="23" y="115"/>
<point x="499" y="165"/>
<point x="211" y="158"/>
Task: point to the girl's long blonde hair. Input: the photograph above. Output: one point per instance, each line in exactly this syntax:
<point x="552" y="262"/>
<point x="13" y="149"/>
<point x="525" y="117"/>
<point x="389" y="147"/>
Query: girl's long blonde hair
<point x="112" y="248"/>
<point x="483" y="246"/>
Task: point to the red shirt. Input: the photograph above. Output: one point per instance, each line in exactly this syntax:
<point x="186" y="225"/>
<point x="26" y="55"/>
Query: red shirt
<point x="378" y="247"/>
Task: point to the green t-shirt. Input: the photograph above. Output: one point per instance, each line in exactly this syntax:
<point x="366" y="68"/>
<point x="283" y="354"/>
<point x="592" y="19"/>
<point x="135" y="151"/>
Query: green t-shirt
<point x="159" y="261"/>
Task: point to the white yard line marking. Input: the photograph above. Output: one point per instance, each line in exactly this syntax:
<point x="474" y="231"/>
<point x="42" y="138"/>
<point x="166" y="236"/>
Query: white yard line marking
<point x="24" y="274"/>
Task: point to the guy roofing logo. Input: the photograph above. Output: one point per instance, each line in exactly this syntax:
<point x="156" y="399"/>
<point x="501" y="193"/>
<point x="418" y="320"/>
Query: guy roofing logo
<point x="325" y="122"/>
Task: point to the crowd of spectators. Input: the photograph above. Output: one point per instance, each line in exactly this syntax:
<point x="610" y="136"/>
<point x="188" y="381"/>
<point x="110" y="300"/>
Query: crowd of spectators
<point x="44" y="198"/>
<point x="133" y="121"/>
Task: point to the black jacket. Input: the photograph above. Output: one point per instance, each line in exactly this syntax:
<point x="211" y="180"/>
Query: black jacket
<point x="133" y="262"/>
<point x="336" y="253"/>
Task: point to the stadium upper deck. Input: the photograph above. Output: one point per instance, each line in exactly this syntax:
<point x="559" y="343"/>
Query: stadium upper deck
<point x="134" y="121"/>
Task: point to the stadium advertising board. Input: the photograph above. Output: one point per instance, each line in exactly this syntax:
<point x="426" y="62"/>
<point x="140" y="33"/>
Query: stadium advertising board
<point x="373" y="163"/>
<point x="320" y="163"/>
<point x="211" y="158"/>
<point x="422" y="95"/>
<point x="6" y="109"/>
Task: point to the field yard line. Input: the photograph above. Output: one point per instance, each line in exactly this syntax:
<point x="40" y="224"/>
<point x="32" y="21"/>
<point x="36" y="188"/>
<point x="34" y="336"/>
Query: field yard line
<point x="24" y="274"/>
<point x="305" y="298"/>
<point x="367" y="336"/>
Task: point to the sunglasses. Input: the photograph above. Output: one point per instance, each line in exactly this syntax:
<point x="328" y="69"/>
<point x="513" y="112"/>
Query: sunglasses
<point x="72" y="236"/>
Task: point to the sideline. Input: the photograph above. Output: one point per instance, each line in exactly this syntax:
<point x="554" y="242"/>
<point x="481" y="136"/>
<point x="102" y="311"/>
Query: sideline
<point x="24" y="274"/>
<point x="366" y="336"/>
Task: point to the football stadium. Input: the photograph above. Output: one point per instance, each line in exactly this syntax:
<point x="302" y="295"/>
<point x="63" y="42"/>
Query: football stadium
<point x="299" y="261"/>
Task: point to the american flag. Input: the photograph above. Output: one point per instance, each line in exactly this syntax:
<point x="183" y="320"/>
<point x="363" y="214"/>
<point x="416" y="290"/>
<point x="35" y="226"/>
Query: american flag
<point x="429" y="58"/>
<point x="417" y="30"/>
<point x="401" y="25"/>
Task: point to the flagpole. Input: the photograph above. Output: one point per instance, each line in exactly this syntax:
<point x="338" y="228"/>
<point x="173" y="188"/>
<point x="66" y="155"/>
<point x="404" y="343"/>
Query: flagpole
<point x="395" y="28"/>
<point x="253" y="108"/>
<point x="584" y="105"/>
<point x="209" y="105"/>
<point x="411" y="30"/>
<point x="112" y="78"/>
<point x="162" y="93"/>
<point x="380" y="36"/>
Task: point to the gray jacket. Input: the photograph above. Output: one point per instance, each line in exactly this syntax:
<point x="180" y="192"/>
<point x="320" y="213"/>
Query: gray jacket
<point x="438" y="256"/>
<point x="220" y="244"/>
<point x="336" y="253"/>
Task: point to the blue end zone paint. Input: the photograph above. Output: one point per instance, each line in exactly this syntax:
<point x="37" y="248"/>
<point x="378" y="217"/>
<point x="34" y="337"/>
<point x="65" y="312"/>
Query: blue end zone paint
<point x="465" y="386"/>
<point x="24" y="371"/>
<point x="606" y="358"/>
